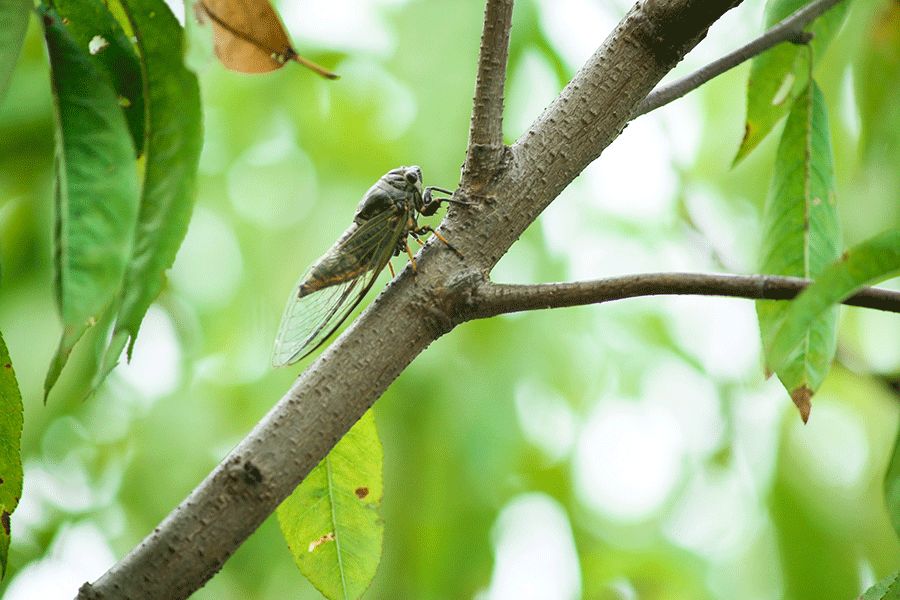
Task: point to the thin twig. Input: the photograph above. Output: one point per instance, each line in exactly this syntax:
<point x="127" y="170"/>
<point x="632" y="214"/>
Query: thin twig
<point x="486" y="127"/>
<point x="791" y="29"/>
<point x="494" y="299"/>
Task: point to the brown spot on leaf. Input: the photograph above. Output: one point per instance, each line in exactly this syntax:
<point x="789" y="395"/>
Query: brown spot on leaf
<point x="845" y="256"/>
<point x="801" y="397"/>
<point x="361" y="492"/>
<point x="328" y="537"/>
<point x="4" y="521"/>
<point x="7" y="366"/>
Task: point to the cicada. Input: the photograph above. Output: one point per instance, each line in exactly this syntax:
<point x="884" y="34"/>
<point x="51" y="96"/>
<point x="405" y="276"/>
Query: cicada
<point x="336" y="283"/>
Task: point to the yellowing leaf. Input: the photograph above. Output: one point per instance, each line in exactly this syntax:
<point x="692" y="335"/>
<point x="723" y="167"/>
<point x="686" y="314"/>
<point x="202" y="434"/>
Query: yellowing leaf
<point x="250" y="38"/>
<point x="332" y="523"/>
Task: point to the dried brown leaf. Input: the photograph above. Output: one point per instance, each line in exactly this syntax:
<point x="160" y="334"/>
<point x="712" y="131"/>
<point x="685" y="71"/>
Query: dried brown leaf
<point x="249" y="36"/>
<point x="801" y="397"/>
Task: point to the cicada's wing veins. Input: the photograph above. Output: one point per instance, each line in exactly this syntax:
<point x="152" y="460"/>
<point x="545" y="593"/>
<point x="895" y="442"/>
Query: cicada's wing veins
<point x="305" y="319"/>
<point x="309" y="319"/>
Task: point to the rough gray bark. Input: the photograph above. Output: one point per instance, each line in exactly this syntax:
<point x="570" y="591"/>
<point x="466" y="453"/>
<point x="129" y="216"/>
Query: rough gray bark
<point x="507" y="188"/>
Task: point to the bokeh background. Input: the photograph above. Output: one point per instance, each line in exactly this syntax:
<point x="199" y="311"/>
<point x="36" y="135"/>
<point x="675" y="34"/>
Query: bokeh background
<point x="625" y="451"/>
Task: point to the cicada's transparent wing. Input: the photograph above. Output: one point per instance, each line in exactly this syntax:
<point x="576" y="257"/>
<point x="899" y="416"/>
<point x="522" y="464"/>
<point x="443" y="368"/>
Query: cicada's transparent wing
<point x="306" y="318"/>
<point x="311" y="318"/>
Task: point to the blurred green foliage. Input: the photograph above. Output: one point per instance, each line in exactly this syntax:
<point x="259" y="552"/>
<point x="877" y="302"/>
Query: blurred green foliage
<point x="644" y="427"/>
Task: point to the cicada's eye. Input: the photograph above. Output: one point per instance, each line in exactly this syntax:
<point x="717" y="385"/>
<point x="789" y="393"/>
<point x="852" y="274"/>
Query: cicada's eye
<point x="414" y="175"/>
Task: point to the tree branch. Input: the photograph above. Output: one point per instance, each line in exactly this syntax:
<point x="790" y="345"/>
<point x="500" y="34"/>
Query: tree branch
<point x="486" y="128"/>
<point x="491" y="299"/>
<point x="193" y="542"/>
<point x="791" y="29"/>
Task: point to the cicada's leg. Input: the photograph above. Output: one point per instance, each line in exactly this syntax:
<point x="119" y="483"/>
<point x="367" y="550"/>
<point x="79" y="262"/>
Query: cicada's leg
<point x="391" y="269"/>
<point x="417" y="238"/>
<point x="430" y="204"/>
<point x="438" y="189"/>
<point x="430" y="229"/>
<point x="412" y="259"/>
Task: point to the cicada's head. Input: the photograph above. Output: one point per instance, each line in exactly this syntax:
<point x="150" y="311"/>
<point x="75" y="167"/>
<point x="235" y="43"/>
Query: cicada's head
<point x="404" y="178"/>
<point x="413" y="176"/>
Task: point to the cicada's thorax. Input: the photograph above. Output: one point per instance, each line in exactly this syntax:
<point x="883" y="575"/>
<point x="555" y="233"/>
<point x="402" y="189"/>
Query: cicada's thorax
<point x="393" y="194"/>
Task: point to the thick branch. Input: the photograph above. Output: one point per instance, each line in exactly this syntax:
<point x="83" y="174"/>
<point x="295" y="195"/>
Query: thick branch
<point x="492" y="299"/>
<point x="486" y="128"/>
<point x="791" y="29"/>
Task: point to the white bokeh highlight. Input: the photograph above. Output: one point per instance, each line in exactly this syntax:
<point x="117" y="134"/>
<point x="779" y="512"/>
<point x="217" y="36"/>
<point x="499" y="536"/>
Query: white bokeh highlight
<point x="546" y="419"/>
<point x="532" y="86"/>
<point x="628" y="460"/>
<point x="209" y="265"/>
<point x="690" y="399"/>
<point x="156" y="365"/>
<point x="352" y="26"/>
<point x="79" y="553"/>
<point x="835" y="436"/>
<point x="273" y="184"/>
<point x="576" y="27"/>
<point x="721" y="333"/>
<point x="716" y="514"/>
<point x="534" y="552"/>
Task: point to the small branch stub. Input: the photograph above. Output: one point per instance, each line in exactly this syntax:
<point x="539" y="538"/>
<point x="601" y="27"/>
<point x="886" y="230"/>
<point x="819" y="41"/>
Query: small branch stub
<point x="485" y="150"/>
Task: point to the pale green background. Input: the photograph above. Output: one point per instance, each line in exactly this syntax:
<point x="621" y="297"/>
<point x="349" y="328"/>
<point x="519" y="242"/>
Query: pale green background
<point x="624" y="451"/>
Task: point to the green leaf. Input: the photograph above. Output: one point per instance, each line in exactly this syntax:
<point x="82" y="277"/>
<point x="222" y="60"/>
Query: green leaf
<point x="872" y="261"/>
<point x="781" y="74"/>
<point x="14" y="16"/>
<point x="801" y="238"/>
<point x="96" y="189"/>
<point x="892" y="486"/>
<point x="10" y="450"/>
<point x="886" y="589"/>
<point x="93" y="27"/>
<point x="332" y="521"/>
<point x="172" y="153"/>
